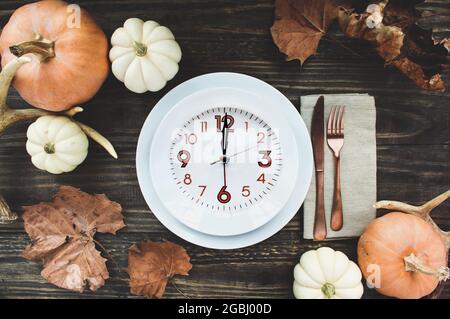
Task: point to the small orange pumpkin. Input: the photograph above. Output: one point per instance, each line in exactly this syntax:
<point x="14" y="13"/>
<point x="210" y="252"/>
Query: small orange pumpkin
<point x="404" y="255"/>
<point x="69" y="53"/>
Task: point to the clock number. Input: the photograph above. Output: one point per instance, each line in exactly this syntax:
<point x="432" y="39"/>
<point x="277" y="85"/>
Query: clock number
<point x="187" y="179"/>
<point x="262" y="178"/>
<point x="246" y="126"/>
<point x="204" y="127"/>
<point x="190" y="138"/>
<point x="261" y="137"/>
<point x="203" y="189"/>
<point x="224" y="196"/>
<point x="267" y="158"/>
<point x="184" y="157"/>
<point x="246" y="191"/>
<point x="229" y="122"/>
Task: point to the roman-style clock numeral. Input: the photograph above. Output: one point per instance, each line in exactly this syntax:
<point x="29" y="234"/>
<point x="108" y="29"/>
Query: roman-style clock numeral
<point x="184" y="157"/>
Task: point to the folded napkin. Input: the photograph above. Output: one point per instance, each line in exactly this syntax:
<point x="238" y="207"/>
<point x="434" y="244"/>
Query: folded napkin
<point x="358" y="165"/>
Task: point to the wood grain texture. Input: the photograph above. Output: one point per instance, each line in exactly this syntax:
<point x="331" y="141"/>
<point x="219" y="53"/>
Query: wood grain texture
<point x="413" y="136"/>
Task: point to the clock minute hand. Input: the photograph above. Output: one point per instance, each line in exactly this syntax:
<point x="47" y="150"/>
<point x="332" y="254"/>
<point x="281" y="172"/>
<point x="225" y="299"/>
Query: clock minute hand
<point x="235" y="154"/>
<point x="224" y="150"/>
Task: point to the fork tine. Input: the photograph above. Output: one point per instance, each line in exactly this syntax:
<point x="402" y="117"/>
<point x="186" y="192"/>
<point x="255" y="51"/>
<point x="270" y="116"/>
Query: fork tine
<point x="335" y="120"/>
<point x="330" y="122"/>
<point x="341" y="120"/>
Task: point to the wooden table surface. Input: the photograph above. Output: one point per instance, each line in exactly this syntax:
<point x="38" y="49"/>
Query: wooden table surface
<point x="413" y="137"/>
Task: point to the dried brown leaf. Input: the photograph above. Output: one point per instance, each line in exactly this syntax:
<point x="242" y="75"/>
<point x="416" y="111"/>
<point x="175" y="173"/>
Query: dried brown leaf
<point x="62" y="234"/>
<point x="152" y="264"/>
<point x="400" y="42"/>
<point x="300" y="24"/>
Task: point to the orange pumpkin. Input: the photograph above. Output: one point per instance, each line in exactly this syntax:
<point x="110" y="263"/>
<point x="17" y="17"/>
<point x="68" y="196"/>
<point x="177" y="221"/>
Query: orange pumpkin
<point x="68" y="51"/>
<point x="404" y="255"/>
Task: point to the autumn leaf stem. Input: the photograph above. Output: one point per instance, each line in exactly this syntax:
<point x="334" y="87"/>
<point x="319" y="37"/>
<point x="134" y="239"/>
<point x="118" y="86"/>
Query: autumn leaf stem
<point x="172" y="282"/>
<point x="332" y="39"/>
<point x="109" y="255"/>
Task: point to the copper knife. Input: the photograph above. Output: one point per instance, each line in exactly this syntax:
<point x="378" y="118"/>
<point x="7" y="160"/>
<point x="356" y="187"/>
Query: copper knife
<point x="317" y="135"/>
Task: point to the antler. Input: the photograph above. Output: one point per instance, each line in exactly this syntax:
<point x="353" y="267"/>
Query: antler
<point x="422" y="211"/>
<point x="9" y="116"/>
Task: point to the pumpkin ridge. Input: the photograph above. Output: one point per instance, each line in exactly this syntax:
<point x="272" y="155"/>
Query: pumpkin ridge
<point x="380" y="242"/>
<point x="60" y="160"/>
<point x="305" y="268"/>
<point x="144" y="74"/>
<point x="156" y="66"/>
<point x="312" y="279"/>
<point x="126" y="51"/>
<point x="162" y="53"/>
<point x="343" y="273"/>
<point x="57" y="139"/>
<point x="63" y="160"/>
<point x="129" y="59"/>
<point x="148" y="41"/>
<point x="50" y="166"/>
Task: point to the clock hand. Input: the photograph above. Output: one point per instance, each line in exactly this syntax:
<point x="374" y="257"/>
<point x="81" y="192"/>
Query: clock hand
<point x="234" y="155"/>
<point x="225" y="138"/>
<point x="224" y="148"/>
<point x="224" y="174"/>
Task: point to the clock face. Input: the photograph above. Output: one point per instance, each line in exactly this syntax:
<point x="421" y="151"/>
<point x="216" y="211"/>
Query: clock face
<point x="223" y="162"/>
<point x="225" y="159"/>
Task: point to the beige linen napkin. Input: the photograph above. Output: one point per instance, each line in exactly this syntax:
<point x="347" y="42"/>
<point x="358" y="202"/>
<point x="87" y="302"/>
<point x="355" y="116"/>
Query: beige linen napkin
<point x="358" y="165"/>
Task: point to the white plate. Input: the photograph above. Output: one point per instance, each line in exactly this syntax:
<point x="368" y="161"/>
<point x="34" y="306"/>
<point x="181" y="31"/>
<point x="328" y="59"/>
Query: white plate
<point x="281" y="107"/>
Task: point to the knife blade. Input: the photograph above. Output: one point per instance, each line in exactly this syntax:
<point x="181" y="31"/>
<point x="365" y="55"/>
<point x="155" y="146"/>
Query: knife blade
<point x="317" y="136"/>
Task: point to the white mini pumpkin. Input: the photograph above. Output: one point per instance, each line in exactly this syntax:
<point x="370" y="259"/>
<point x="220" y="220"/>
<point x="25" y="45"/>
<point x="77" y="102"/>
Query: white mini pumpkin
<point x="144" y="55"/>
<point x="327" y="274"/>
<point x="56" y="144"/>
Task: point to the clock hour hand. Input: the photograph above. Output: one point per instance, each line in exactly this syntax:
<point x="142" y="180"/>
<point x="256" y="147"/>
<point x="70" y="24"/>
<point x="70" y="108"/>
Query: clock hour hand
<point x="225" y="138"/>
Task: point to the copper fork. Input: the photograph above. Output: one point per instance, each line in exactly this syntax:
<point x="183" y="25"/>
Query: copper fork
<point x="335" y="140"/>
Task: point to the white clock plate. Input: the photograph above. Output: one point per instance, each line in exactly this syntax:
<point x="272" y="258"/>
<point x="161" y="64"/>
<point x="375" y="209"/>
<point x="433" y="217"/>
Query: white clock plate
<point x="215" y="203"/>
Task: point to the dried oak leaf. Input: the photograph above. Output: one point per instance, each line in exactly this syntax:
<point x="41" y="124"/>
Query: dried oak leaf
<point x="300" y="24"/>
<point x="400" y="42"/>
<point x="62" y="234"/>
<point x="152" y="264"/>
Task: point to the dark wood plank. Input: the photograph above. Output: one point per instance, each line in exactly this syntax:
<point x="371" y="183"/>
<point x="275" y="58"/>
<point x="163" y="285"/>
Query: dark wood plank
<point x="250" y="269"/>
<point x="413" y="136"/>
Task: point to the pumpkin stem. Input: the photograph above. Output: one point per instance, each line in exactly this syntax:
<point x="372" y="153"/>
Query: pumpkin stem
<point x="44" y="50"/>
<point x="328" y="290"/>
<point x="414" y="263"/>
<point x="422" y="211"/>
<point x="49" y="148"/>
<point x="140" y="49"/>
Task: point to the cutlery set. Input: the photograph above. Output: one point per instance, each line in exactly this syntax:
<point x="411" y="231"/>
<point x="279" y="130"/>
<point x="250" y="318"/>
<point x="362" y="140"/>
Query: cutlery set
<point x="335" y="141"/>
